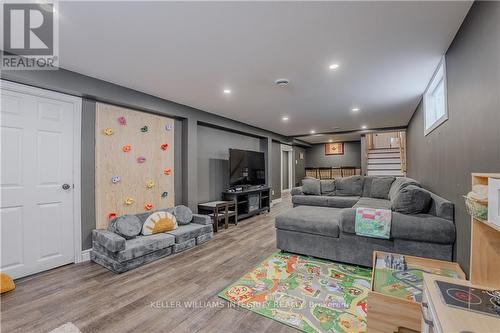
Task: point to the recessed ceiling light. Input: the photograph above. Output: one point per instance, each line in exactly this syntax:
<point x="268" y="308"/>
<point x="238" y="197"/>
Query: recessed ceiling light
<point x="330" y="140"/>
<point x="227" y="91"/>
<point x="334" y="66"/>
<point x="313" y="131"/>
<point x="284" y="118"/>
<point x="364" y="127"/>
<point x="355" y="109"/>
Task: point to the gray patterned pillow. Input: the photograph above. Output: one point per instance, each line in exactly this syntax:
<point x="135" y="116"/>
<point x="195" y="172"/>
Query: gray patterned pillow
<point x="127" y="226"/>
<point x="183" y="214"/>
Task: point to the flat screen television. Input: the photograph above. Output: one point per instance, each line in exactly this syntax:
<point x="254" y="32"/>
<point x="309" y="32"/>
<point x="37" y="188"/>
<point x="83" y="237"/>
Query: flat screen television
<point x="246" y="167"/>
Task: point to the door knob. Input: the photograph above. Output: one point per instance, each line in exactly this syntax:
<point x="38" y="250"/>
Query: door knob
<point x="66" y="186"/>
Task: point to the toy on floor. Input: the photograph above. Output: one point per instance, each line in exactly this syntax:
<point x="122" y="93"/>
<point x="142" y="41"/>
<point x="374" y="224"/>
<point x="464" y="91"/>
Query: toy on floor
<point x="396" y="262"/>
<point x="6" y="283"/>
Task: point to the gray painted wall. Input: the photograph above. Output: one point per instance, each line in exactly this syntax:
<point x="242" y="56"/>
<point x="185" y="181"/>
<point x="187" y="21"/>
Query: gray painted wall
<point x="470" y="140"/>
<point x="300" y="164"/>
<point x="276" y="169"/>
<point x="88" y="172"/>
<point x="213" y="159"/>
<point x="316" y="156"/>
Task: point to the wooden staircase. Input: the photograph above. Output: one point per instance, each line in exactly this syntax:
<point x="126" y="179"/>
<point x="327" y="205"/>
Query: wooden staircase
<point x="384" y="162"/>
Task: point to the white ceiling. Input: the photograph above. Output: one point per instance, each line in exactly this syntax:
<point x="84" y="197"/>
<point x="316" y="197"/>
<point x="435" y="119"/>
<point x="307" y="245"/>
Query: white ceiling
<point x="189" y="52"/>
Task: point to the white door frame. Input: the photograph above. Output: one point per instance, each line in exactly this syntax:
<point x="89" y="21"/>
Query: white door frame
<point x="289" y="149"/>
<point x="77" y="143"/>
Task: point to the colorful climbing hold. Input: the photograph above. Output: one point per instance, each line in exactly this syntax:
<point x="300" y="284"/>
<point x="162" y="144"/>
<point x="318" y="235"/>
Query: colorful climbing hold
<point x="150" y="184"/>
<point x="148" y="206"/>
<point x="115" y="179"/>
<point x="141" y="159"/>
<point x="111" y="215"/>
<point x="164" y="194"/>
<point x="122" y="121"/>
<point x="164" y="146"/>
<point x="167" y="172"/>
<point x="108" y="131"/>
<point x="127" y="148"/>
<point x="169" y="127"/>
<point x="128" y="201"/>
<point x="144" y="129"/>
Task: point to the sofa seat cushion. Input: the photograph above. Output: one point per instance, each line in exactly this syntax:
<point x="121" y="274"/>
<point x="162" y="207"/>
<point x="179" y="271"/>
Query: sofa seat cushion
<point x="373" y="203"/>
<point x="186" y="232"/>
<point x="421" y="227"/>
<point x="310" y="200"/>
<point x="312" y="220"/>
<point x="138" y="247"/>
<point x="342" y="201"/>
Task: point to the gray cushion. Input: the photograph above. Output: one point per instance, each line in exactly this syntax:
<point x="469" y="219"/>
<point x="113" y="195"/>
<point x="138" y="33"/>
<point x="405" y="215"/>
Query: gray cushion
<point x="367" y="186"/>
<point x="341" y="201"/>
<point x="186" y="232"/>
<point x="183" y="214"/>
<point x="108" y="240"/>
<point x="399" y="183"/>
<point x="349" y="186"/>
<point x="310" y="200"/>
<point x="327" y="187"/>
<point x="347" y="219"/>
<point x="422" y="228"/>
<point x="296" y="190"/>
<point x="411" y="200"/>
<point x="127" y="226"/>
<point x="373" y="203"/>
<point x="380" y="187"/>
<point x="312" y="220"/>
<point x="441" y="207"/>
<point x="311" y="186"/>
<point x="140" y="246"/>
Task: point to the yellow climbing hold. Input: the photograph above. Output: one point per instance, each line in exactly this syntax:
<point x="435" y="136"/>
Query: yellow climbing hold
<point x="128" y="201"/>
<point x="150" y="184"/>
<point x="108" y="131"/>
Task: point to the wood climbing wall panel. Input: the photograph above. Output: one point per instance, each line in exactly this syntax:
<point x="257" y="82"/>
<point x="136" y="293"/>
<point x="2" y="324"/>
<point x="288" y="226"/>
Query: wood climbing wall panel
<point x="123" y="138"/>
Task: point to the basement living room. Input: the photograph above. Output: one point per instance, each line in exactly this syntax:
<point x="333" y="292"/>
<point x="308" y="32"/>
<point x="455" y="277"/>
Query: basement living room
<point x="289" y="166"/>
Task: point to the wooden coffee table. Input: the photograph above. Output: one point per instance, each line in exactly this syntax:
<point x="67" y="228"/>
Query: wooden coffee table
<point x="394" y="300"/>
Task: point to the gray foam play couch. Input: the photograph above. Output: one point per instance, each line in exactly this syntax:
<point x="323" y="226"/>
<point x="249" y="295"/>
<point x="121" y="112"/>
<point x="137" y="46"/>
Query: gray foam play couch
<point x="119" y="254"/>
<point x="322" y="224"/>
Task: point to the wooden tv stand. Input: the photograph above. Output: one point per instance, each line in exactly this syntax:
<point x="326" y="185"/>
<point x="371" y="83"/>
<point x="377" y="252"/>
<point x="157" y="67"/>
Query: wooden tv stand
<point x="250" y="202"/>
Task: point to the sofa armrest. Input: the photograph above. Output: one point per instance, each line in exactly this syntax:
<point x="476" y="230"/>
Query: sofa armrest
<point x="109" y="240"/>
<point x="347" y="220"/>
<point x="296" y="191"/>
<point x="423" y="228"/>
<point x="201" y="219"/>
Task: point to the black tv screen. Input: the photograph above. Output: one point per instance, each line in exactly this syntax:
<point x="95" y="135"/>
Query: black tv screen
<point x="246" y="167"/>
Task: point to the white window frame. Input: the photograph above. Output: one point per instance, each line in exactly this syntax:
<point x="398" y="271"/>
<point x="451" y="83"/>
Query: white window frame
<point x="430" y="87"/>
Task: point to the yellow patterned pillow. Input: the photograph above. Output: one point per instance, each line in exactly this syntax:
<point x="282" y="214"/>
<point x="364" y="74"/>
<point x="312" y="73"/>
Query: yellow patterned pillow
<point x="159" y="222"/>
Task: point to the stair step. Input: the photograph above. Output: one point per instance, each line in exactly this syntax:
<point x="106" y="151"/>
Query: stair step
<point x="385" y="173"/>
<point x="384" y="160"/>
<point x="394" y="166"/>
<point x="383" y="150"/>
<point x="384" y="155"/>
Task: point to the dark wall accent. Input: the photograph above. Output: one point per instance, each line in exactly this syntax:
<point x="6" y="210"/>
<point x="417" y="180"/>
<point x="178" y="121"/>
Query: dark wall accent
<point x="213" y="159"/>
<point x="469" y="141"/>
<point x="276" y="170"/>
<point x="300" y="165"/>
<point x="316" y="156"/>
<point x="88" y="171"/>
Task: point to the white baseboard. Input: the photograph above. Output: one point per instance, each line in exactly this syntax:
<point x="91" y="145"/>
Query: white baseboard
<point x="85" y="255"/>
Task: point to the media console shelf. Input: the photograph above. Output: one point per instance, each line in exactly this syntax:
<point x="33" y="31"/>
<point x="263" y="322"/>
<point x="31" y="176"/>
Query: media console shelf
<point x="250" y="202"/>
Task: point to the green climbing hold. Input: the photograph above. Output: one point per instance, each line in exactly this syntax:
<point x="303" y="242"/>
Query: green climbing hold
<point x="144" y="129"/>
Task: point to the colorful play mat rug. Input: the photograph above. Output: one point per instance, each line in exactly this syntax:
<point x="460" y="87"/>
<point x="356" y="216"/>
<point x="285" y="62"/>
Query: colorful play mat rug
<point x="310" y="294"/>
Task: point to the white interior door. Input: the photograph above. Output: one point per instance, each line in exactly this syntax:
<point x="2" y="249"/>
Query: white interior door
<point x="37" y="213"/>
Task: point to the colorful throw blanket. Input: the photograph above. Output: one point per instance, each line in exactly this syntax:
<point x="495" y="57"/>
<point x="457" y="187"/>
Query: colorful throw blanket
<point x="372" y="222"/>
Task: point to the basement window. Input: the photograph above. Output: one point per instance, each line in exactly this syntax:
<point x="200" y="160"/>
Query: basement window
<point x="435" y="102"/>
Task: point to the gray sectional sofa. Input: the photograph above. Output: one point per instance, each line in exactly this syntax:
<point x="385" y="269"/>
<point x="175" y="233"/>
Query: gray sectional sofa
<point x="322" y="222"/>
<point x="118" y="254"/>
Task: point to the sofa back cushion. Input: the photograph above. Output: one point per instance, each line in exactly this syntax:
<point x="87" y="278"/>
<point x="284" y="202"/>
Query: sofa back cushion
<point x="311" y="186"/>
<point x="127" y="226"/>
<point x="327" y="187"/>
<point x="159" y="222"/>
<point x="349" y="186"/>
<point x="411" y="200"/>
<point x="400" y="183"/>
<point x="367" y="186"/>
<point x="380" y="187"/>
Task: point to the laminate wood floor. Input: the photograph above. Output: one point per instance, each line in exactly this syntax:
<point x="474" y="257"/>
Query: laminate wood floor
<point x="96" y="300"/>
